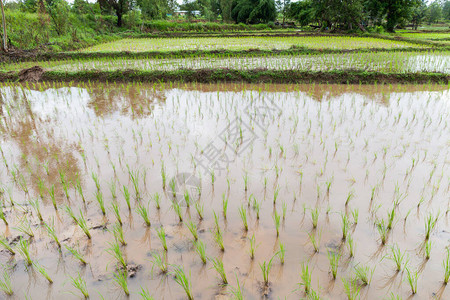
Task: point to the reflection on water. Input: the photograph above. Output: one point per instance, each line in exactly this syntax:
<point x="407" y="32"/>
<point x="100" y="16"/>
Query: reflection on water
<point x="348" y="150"/>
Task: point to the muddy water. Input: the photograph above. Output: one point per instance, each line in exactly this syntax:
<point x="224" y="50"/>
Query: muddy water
<point x="294" y="140"/>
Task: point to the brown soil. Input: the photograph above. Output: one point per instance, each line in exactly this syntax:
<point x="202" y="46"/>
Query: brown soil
<point x="32" y="74"/>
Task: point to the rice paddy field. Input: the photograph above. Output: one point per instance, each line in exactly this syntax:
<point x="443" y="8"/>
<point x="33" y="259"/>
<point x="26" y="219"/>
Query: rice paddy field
<point x="224" y="191"/>
<point x="242" y="43"/>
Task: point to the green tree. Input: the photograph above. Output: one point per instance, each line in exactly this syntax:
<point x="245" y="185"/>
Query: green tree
<point x="434" y="12"/>
<point x="446" y="10"/>
<point x="253" y="11"/>
<point x="225" y="9"/>
<point x="302" y="11"/>
<point x="418" y="14"/>
<point x="59" y="10"/>
<point x="156" y="9"/>
<point x="119" y="7"/>
<point x="393" y="11"/>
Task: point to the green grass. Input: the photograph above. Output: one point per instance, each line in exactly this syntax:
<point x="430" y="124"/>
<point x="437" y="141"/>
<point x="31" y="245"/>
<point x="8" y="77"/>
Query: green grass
<point x="183" y="280"/>
<point x="5" y="282"/>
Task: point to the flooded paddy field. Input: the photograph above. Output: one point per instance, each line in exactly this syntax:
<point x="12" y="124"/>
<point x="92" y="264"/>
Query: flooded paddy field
<point x="221" y="191"/>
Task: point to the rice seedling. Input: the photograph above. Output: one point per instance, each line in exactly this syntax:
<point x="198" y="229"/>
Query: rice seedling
<point x="4" y="243"/>
<point x="350" y="196"/>
<point x="116" y="211"/>
<point x="344" y="226"/>
<point x="281" y="253"/>
<point x="243" y="214"/>
<point x="213" y="176"/>
<point x="446" y="264"/>
<point x="143" y="212"/>
<point x="80" y="284"/>
<point x="42" y="271"/>
<point x="126" y="195"/>
<point x="218" y="266"/>
<point x="333" y="258"/>
<point x="134" y="176"/>
<point x="218" y="237"/>
<point x="50" y="228"/>
<point x="2" y="216"/>
<point x="35" y="205"/>
<point x="382" y="230"/>
<point x="24" y="227"/>
<point x="224" y="206"/>
<point x="351" y="246"/>
<point x="100" y="201"/>
<point x="51" y="192"/>
<point x="315" y="217"/>
<point x="79" y="189"/>
<point x="427" y="249"/>
<point x="70" y="212"/>
<point x="430" y="224"/>
<point x="355" y="215"/>
<point x="412" y="278"/>
<point x="305" y="277"/>
<point x="187" y="199"/>
<point x="352" y="290"/>
<point x="252" y="246"/>
<point x="5" y="282"/>
<point x="160" y="260"/>
<point x="193" y="229"/>
<point x="176" y="207"/>
<point x="275" y="194"/>
<point x="200" y="210"/>
<point x="391" y="217"/>
<point x="81" y="221"/>
<point x="117" y="231"/>
<point x="200" y="248"/>
<point x="315" y="241"/>
<point x="237" y="292"/>
<point x="276" y="220"/>
<point x="398" y="257"/>
<point x="24" y="251"/>
<point x="364" y="274"/>
<point x="120" y="277"/>
<point x="145" y="294"/>
<point x="162" y="237"/>
<point x="114" y="251"/>
<point x="76" y="253"/>
<point x="96" y="181"/>
<point x="183" y="280"/>
<point x="265" y="269"/>
<point x="163" y="176"/>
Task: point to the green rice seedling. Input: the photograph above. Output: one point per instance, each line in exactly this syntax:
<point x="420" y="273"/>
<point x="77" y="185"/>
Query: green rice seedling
<point x="24" y="227"/>
<point x="430" y="224"/>
<point x="76" y="253"/>
<point x="183" y="280"/>
<point x="315" y="241"/>
<point x="24" y="251"/>
<point x="4" y="243"/>
<point x="391" y="217"/>
<point x="157" y="199"/>
<point x="281" y="253"/>
<point x="79" y="189"/>
<point x="100" y="201"/>
<point x="245" y="178"/>
<point x="117" y="231"/>
<point x="96" y="181"/>
<point x="305" y="277"/>
<point x="412" y="278"/>
<point x="252" y="246"/>
<point x="5" y="282"/>
<point x="243" y="214"/>
<point x="126" y="195"/>
<point x="2" y="216"/>
<point x="134" y="176"/>
<point x="145" y="294"/>
<point x="334" y="257"/>
<point x="80" y="284"/>
<point x="344" y="226"/>
<point x="352" y="290"/>
<point x="265" y="269"/>
<point x="162" y="237"/>
<point x="216" y="221"/>
<point x="116" y="211"/>
<point x="284" y="208"/>
<point x="213" y="176"/>
<point x="120" y="277"/>
<point x="446" y="264"/>
<point x="35" y="205"/>
<point x="257" y="207"/>
<point x="200" y="210"/>
<point x="237" y="292"/>
<point x="70" y="212"/>
<point x="355" y="215"/>
<point x="50" y="228"/>
<point x="398" y="258"/>
<point x="160" y="260"/>
<point x="218" y="237"/>
<point x="382" y="230"/>
<point x="51" y="192"/>
<point x="81" y="221"/>
<point x="172" y="185"/>
<point x="364" y="274"/>
<point x="200" y="248"/>
<point x="427" y="249"/>
<point x="218" y="266"/>
<point x="275" y="195"/>
<point x="177" y="209"/>
<point x="43" y="272"/>
<point x="193" y="229"/>
<point x="224" y="206"/>
<point x="114" y="251"/>
<point x="143" y="212"/>
<point x="350" y="196"/>
<point x="163" y="176"/>
<point x="187" y="199"/>
<point x="315" y="217"/>
<point x="351" y="246"/>
<point x="276" y="220"/>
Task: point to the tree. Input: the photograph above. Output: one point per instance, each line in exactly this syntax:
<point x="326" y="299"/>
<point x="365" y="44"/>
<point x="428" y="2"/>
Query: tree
<point x="253" y="11"/>
<point x="302" y="11"/>
<point x="120" y="7"/>
<point x="393" y="11"/>
<point x="156" y="9"/>
<point x="225" y="9"/>
<point x="434" y="12"/>
<point x="418" y="14"/>
<point x="5" y="37"/>
<point x="446" y="10"/>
